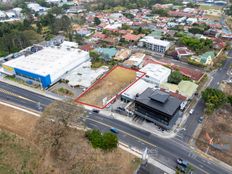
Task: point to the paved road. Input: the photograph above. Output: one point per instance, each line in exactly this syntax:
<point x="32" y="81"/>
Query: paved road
<point x="165" y="150"/>
<point x="22" y="97"/>
<point x="192" y="122"/>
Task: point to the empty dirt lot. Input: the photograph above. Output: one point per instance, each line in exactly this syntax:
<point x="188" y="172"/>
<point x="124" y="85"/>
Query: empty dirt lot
<point x="217" y="130"/>
<point x="108" y="86"/>
<point x="17" y="121"/>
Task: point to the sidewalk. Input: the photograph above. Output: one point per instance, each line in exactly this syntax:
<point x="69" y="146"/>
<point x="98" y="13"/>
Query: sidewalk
<point x="37" y="91"/>
<point x="150" y="160"/>
<point x="145" y="126"/>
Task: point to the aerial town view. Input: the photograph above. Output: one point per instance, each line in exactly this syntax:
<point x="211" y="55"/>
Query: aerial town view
<point x="115" y="86"/>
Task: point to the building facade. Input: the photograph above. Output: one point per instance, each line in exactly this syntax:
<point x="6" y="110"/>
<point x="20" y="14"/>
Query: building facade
<point x="158" y="107"/>
<point x="156" y="45"/>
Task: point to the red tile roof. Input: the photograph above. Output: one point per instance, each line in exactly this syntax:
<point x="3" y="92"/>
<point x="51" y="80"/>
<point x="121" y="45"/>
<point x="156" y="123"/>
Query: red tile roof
<point x="99" y="35"/>
<point x="87" y="47"/>
<point x="132" y="37"/>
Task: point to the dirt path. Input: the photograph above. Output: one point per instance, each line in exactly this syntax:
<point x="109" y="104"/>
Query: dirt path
<point x="16" y="121"/>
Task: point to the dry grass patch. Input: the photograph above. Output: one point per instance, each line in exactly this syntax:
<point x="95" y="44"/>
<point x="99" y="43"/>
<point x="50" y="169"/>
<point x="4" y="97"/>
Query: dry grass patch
<point x="108" y="86"/>
<point x="209" y="7"/>
<point x="218" y="127"/>
<point x="53" y="148"/>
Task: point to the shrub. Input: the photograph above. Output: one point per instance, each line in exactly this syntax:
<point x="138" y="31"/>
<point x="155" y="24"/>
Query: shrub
<point x="106" y="141"/>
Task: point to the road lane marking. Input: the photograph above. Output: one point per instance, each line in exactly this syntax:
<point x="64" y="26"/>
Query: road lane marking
<point x="146" y="142"/>
<point x="18" y="96"/>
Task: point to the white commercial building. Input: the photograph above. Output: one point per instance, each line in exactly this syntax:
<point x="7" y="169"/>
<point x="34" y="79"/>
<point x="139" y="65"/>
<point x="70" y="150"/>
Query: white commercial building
<point x="150" y="43"/>
<point x="46" y="66"/>
<point x="84" y="76"/>
<point x="155" y="73"/>
<point x="137" y="88"/>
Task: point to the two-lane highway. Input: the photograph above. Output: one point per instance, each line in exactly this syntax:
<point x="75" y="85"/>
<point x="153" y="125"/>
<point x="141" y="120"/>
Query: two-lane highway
<point x="164" y="150"/>
<point x="23" y="98"/>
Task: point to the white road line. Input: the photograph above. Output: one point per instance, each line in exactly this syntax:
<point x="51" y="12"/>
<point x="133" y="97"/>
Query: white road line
<point x="21" y="109"/>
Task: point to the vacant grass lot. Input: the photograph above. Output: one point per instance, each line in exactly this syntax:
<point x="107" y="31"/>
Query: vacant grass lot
<point x="108" y="86"/>
<point x="208" y="7"/>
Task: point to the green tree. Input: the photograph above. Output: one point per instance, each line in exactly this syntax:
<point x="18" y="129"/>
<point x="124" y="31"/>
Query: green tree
<point x="175" y="77"/>
<point x="110" y="141"/>
<point x="213" y="98"/>
<point x="160" y="12"/>
<point x="229" y="98"/>
<point x="56" y="10"/>
<point x="94" y="54"/>
<point x="106" y="141"/>
<point x="97" y="21"/>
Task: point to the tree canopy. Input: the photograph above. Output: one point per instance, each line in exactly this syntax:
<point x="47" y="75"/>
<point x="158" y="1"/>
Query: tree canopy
<point x="175" y="77"/>
<point x="213" y="98"/>
<point x="106" y="141"/>
<point x="198" y="45"/>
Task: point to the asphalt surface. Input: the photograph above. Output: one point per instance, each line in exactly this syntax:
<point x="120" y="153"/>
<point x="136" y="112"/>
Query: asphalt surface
<point x="164" y="150"/>
<point x="192" y="122"/>
<point x="23" y="98"/>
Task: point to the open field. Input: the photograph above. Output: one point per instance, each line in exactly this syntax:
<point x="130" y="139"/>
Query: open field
<point x="217" y="131"/>
<point x="226" y="88"/>
<point x="229" y="21"/>
<point x="212" y="17"/>
<point x="107" y="87"/>
<point x="21" y="153"/>
<point x="16" y="121"/>
<point x="208" y="7"/>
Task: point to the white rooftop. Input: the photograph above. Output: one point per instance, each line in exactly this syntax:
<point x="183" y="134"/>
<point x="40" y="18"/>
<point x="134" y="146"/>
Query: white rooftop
<point x="50" y="61"/>
<point x="152" y="40"/>
<point x="84" y="75"/>
<point x="137" y="88"/>
<point x="157" y="72"/>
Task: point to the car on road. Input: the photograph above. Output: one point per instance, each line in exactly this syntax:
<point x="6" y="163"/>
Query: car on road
<point x="95" y="111"/>
<point x="114" y="130"/>
<point x="191" y="111"/>
<point x="182" y="162"/>
<point x="200" y="119"/>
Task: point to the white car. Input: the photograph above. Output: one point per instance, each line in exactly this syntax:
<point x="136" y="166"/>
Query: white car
<point x="191" y="111"/>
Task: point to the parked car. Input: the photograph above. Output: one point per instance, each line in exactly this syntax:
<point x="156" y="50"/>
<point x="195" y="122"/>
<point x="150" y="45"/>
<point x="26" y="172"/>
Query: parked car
<point x="95" y="111"/>
<point x="114" y="130"/>
<point x="201" y="119"/>
<point x="191" y="111"/>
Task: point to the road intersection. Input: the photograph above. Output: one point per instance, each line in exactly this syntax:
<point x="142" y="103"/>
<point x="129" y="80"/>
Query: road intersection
<point x="164" y="150"/>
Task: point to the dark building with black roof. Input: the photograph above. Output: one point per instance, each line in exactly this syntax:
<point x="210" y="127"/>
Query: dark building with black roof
<point x="158" y="107"/>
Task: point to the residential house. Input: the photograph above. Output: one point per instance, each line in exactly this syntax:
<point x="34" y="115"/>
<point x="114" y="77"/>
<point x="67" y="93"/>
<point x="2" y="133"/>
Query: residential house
<point x="184" y="88"/>
<point x="106" y="53"/>
<point x="132" y="37"/>
<point x="122" y="54"/>
<point x="205" y="59"/>
<point x="183" y="52"/>
<point x="135" y="60"/>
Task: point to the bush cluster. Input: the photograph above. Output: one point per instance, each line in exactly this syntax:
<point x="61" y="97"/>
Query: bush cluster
<point x="106" y="141"/>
